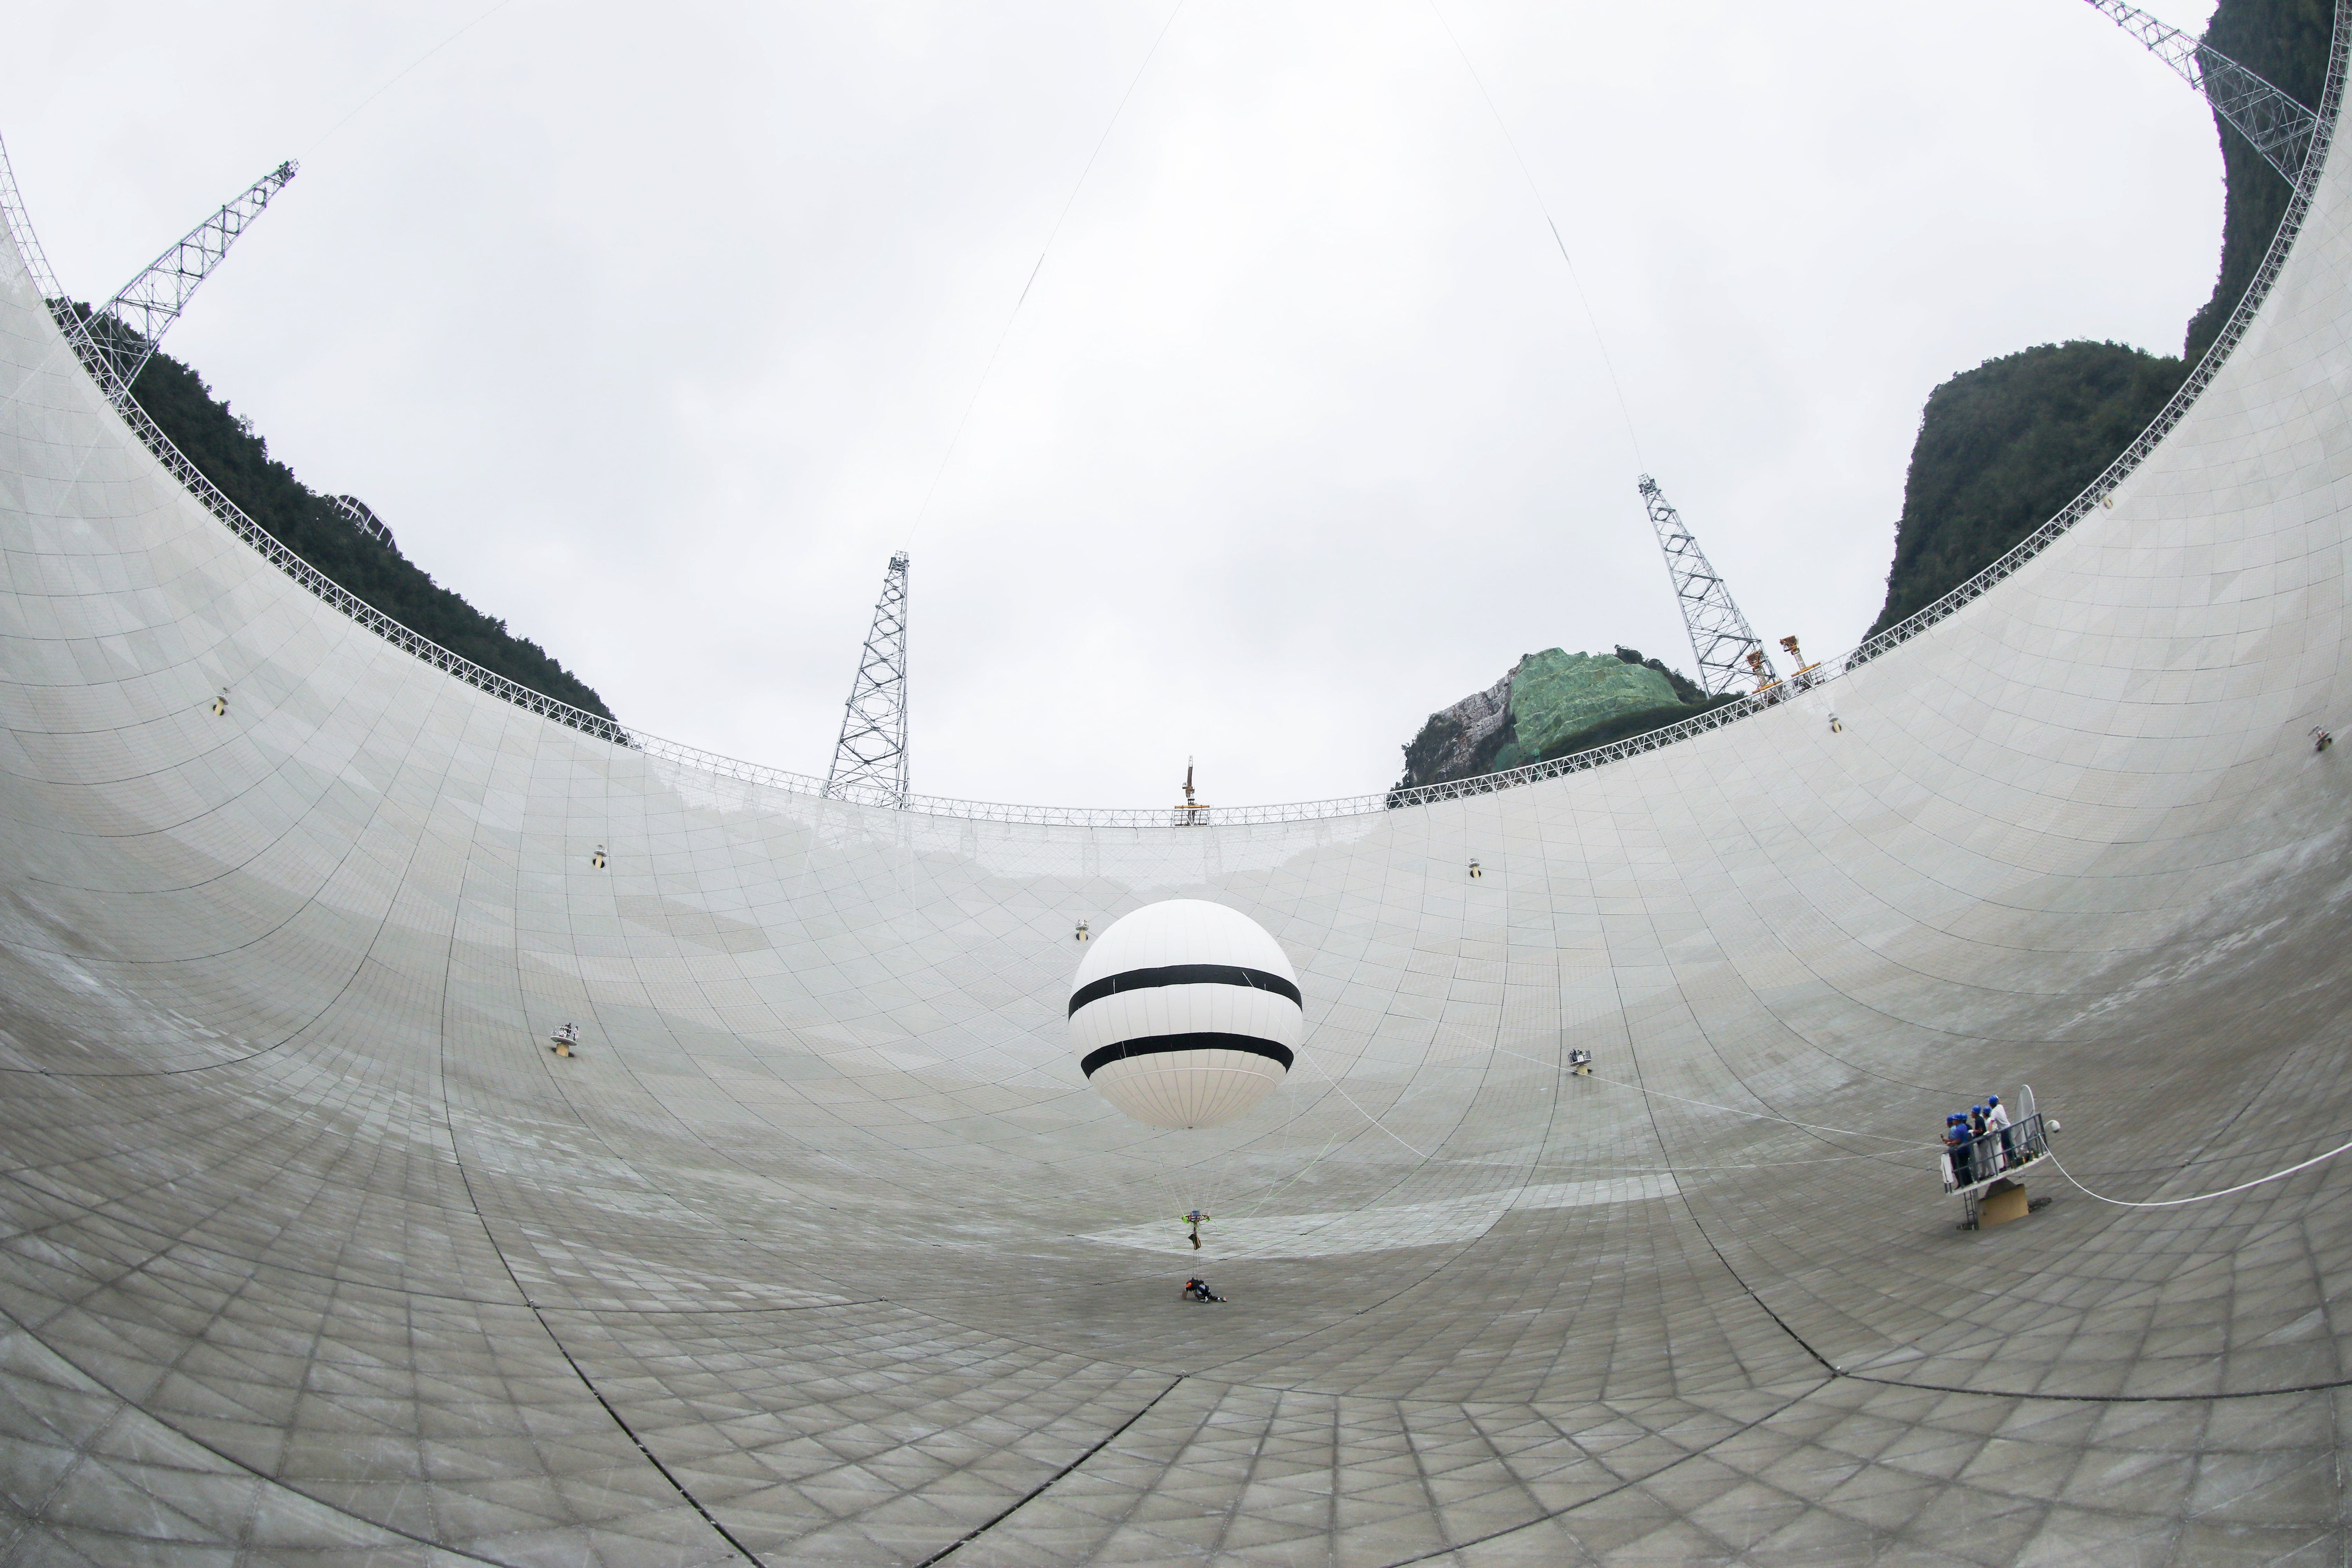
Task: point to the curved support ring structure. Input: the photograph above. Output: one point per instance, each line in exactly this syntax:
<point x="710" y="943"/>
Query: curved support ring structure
<point x="818" y="1248"/>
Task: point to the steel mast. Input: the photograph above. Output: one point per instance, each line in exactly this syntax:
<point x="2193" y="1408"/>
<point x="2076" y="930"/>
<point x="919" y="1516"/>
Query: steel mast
<point x="1727" y="647"/>
<point x="120" y="335"/>
<point x="869" y="761"/>
<point x="2272" y="124"/>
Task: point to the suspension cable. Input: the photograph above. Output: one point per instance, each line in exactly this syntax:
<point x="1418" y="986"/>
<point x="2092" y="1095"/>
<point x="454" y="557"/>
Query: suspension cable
<point x="401" y="75"/>
<point x="923" y="512"/>
<point x="1624" y="409"/>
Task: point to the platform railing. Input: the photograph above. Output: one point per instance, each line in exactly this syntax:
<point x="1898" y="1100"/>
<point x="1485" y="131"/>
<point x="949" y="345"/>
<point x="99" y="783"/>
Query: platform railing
<point x="2005" y="1153"/>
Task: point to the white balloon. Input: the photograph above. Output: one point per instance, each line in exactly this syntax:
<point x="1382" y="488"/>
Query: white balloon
<point x="1185" y="1014"/>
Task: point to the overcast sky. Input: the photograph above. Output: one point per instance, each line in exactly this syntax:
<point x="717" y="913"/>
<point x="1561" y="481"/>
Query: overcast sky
<point x="649" y="329"/>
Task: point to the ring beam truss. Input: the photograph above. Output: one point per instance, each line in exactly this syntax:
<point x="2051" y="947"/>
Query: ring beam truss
<point x="1829" y="669"/>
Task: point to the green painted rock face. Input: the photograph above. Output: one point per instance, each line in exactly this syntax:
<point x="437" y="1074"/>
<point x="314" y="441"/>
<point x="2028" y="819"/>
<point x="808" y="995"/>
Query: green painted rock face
<point x="1558" y="698"/>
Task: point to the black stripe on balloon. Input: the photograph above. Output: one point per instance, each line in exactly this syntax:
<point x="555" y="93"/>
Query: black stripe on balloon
<point x="1154" y="1044"/>
<point x="1184" y="974"/>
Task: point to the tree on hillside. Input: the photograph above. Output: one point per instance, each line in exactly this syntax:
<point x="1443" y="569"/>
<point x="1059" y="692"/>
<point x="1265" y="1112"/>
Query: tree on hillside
<point x="2003" y="447"/>
<point x="226" y="448"/>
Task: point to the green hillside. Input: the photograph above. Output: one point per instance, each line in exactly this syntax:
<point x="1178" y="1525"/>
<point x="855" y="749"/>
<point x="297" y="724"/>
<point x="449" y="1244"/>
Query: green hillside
<point x="2003" y="447"/>
<point x="1551" y="704"/>
<point x="2286" y="43"/>
<point x="229" y="453"/>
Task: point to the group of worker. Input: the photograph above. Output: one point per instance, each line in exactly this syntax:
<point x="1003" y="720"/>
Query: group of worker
<point x="1979" y="1141"/>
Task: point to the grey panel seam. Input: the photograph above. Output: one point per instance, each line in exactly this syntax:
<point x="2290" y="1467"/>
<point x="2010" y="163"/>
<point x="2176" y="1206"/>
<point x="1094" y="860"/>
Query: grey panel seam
<point x="976" y="1532"/>
<point x="651" y="1457"/>
<point x="338" y="1509"/>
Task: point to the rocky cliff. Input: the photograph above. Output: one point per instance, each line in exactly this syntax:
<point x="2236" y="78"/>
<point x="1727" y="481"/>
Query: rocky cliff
<point x="1551" y="704"/>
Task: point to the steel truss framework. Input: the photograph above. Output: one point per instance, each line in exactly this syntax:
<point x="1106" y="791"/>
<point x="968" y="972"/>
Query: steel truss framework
<point x="1721" y="638"/>
<point x="2282" y="129"/>
<point x="121" y="334"/>
<point x="361" y="516"/>
<point x="675" y="754"/>
<point x="869" y="761"/>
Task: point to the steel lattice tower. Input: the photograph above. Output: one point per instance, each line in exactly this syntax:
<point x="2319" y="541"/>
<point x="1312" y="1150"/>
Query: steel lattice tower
<point x="869" y="761"/>
<point x="2272" y="124"/>
<point x="1721" y="638"/>
<point x="120" y="337"/>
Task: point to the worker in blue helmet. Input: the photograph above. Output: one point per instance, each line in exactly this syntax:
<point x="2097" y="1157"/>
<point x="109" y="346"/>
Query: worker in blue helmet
<point x="1997" y="1118"/>
<point x="1956" y="1144"/>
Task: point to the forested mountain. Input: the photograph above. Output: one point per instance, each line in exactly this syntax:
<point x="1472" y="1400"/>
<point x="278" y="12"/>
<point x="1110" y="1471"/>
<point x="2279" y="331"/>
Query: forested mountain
<point x="2285" y="42"/>
<point x="228" y="452"/>
<point x="2003" y="447"/>
<point x="1551" y="704"/>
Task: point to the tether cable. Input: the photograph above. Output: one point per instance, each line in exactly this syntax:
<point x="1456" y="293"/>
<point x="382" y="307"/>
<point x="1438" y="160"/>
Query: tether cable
<point x="2200" y="1197"/>
<point x="1366" y="1115"/>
